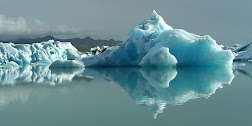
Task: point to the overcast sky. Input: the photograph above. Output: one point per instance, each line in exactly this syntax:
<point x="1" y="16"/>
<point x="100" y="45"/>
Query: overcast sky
<point x="227" y="21"/>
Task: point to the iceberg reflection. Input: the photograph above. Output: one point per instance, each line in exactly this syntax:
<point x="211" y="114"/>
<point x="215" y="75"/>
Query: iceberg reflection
<point x="37" y="74"/>
<point x="153" y="88"/>
<point x="244" y="68"/>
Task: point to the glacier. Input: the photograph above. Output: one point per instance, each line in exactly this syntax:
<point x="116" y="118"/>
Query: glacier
<point x="15" y="55"/>
<point x="153" y="43"/>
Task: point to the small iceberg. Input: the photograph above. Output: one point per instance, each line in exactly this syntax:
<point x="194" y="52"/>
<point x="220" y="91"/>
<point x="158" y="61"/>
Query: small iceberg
<point x="244" y="53"/>
<point x="154" y="43"/>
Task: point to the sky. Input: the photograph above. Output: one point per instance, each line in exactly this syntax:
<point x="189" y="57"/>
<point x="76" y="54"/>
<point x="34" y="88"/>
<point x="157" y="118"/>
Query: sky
<point x="227" y="21"/>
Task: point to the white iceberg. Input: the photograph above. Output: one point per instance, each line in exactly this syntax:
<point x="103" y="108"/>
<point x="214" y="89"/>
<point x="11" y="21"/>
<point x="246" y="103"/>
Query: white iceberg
<point x="154" y="43"/>
<point x="45" y="52"/>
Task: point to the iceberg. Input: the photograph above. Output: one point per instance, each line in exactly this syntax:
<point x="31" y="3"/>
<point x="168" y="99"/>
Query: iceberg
<point x="156" y="44"/>
<point x="45" y="52"/>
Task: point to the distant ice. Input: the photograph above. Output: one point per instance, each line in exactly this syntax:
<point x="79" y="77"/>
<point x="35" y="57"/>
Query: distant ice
<point x="241" y="52"/>
<point x="244" y="53"/>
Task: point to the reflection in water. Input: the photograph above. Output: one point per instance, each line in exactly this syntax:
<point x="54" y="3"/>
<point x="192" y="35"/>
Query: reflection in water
<point x="244" y="68"/>
<point x="37" y="74"/>
<point x="153" y="88"/>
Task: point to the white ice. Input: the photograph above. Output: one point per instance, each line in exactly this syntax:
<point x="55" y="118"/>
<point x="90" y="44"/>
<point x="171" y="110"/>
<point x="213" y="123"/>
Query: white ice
<point x="45" y="52"/>
<point x="244" y="53"/>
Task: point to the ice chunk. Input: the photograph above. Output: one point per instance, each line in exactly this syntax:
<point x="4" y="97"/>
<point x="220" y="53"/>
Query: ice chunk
<point x="154" y="43"/>
<point x="44" y="52"/>
<point x="67" y="64"/>
<point x="158" y="56"/>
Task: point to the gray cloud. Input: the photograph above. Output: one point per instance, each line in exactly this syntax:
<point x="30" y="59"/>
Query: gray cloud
<point x="20" y="27"/>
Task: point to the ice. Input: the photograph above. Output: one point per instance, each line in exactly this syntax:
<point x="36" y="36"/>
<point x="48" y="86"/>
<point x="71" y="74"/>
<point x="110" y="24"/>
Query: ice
<point x="44" y="52"/>
<point x="244" y="53"/>
<point x="154" y="43"/>
<point x="158" y="56"/>
<point x="241" y="52"/>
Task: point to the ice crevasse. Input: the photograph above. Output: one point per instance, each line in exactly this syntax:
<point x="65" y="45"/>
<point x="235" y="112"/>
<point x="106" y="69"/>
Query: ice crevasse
<point x="154" y="43"/>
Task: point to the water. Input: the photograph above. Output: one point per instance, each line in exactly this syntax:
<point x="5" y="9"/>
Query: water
<point x="36" y="95"/>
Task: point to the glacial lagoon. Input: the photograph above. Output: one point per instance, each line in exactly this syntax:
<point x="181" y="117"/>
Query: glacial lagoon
<point x="38" y="95"/>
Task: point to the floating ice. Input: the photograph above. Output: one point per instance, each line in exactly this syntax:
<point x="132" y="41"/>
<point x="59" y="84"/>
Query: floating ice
<point x="44" y="52"/>
<point x="154" y="43"/>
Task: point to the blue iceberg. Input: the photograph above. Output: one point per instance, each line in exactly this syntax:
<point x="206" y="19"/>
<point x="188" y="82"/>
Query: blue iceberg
<point x="154" y="43"/>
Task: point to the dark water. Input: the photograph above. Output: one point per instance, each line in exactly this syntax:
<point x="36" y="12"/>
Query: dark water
<point x="38" y="96"/>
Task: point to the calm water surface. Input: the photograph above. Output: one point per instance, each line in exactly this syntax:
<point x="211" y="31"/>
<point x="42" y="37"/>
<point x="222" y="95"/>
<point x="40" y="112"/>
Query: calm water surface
<point x="39" y="96"/>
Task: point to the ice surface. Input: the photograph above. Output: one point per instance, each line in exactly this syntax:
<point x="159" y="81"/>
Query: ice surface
<point x="154" y="43"/>
<point x="44" y="52"/>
